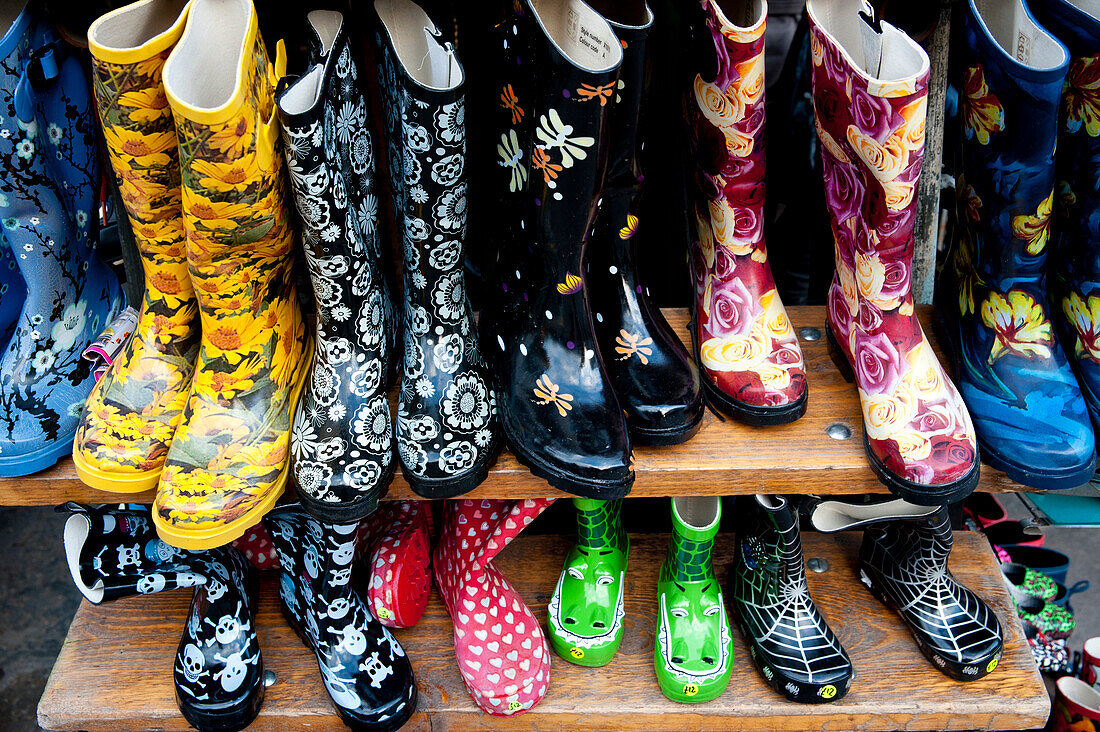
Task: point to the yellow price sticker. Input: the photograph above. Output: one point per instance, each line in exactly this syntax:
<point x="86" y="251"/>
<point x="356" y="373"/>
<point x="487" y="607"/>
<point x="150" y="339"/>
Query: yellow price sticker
<point x="514" y="706"/>
<point x="691" y="689"/>
<point x="828" y="691"/>
<point x="992" y="665"/>
<point x="576" y="653"/>
<point x="383" y="613"/>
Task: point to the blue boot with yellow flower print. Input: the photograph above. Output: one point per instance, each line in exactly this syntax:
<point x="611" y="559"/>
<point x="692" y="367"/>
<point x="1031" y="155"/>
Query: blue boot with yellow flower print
<point x="1027" y="409"/>
<point x="48" y="194"/>
<point x="1075" y="285"/>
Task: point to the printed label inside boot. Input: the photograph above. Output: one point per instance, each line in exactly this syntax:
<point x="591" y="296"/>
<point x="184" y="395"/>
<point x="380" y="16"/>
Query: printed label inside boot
<point x="1023" y="47"/>
<point x="585" y="38"/>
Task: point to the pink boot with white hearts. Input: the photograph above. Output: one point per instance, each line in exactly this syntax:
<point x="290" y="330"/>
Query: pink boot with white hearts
<point x="502" y="653"/>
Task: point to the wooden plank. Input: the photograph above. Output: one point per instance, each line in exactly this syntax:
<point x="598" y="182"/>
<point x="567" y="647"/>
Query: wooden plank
<point x="113" y="650"/>
<point x="927" y="228"/>
<point x="724" y="458"/>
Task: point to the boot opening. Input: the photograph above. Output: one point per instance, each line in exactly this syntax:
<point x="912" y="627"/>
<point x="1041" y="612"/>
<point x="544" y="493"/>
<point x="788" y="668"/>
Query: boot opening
<point x="326" y="24"/>
<point x="771" y="503"/>
<point x="304" y="93"/>
<point x="699" y="513"/>
<point x="629" y="13"/>
<point x="579" y="33"/>
<point x="833" y="516"/>
<point x="742" y="13"/>
<point x="885" y="55"/>
<point x="1019" y="36"/>
<point x="136" y="24"/>
<point x="1078" y="692"/>
<point x="207" y="65"/>
<point x="1088" y="7"/>
<point x="415" y="39"/>
<point x="77" y="527"/>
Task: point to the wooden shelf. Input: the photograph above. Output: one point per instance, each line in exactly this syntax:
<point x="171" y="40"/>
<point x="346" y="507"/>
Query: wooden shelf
<point x="724" y="458"/>
<point x="114" y="649"/>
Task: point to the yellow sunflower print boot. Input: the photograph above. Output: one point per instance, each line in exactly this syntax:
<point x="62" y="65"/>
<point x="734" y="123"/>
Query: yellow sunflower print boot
<point x="132" y="413"/>
<point x="228" y="461"/>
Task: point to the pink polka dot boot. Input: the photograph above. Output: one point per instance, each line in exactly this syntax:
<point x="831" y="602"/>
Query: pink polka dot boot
<point x="501" y="650"/>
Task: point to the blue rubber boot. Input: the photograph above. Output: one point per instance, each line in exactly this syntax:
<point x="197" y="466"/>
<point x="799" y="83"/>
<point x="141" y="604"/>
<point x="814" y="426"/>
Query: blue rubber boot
<point x="49" y="176"/>
<point x="1075" y="286"/>
<point x="1028" y="411"/>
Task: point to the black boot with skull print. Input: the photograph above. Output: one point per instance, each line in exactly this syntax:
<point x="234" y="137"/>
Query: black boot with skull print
<point x="341" y="444"/>
<point x="365" y="670"/>
<point x="447" y="431"/>
<point x="114" y="552"/>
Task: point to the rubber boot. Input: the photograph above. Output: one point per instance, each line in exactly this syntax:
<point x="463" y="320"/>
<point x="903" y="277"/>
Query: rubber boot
<point x="365" y="670"/>
<point x="502" y="653"/>
<point x="916" y="430"/>
<point x="586" y="611"/>
<point x="693" y="655"/>
<point x="398" y="559"/>
<point x="791" y="644"/>
<point x="341" y="446"/>
<point x="1075" y="245"/>
<point x="132" y="413"/>
<point x="655" y="381"/>
<point x="558" y="407"/>
<point x="228" y="462"/>
<point x="744" y="344"/>
<point x="903" y="561"/>
<point x="448" y="435"/>
<point x="218" y="671"/>
<point x="1028" y="410"/>
<point x="1076" y="707"/>
<point x="48" y="204"/>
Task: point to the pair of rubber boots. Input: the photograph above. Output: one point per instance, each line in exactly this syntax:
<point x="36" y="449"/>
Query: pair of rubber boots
<point x="585" y="365"/>
<point x="1021" y="295"/>
<point x="199" y="402"/>
<point x="446" y="432"/>
<point x="903" y="561"/>
<point x="56" y="294"/>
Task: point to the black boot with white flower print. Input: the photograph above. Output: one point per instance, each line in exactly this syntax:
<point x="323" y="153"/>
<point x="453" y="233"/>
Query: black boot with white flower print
<point x="557" y="405"/>
<point x="447" y="431"/>
<point x="341" y="444"/>
<point x="364" y="668"/>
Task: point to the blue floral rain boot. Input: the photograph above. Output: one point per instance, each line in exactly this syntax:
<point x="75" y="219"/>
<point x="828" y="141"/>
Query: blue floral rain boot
<point x="48" y="193"/>
<point x="1027" y="409"/>
<point x="1075" y="287"/>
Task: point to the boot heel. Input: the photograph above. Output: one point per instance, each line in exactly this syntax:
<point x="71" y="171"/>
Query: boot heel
<point x="839" y="359"/>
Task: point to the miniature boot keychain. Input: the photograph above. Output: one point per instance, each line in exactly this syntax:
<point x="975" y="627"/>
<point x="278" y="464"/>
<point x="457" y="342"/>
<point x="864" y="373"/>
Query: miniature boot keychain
<point x="586" y="611"/>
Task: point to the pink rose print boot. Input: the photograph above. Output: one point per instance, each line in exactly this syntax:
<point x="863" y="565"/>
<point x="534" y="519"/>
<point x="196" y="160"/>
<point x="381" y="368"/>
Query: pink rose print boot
<point x="502" y="653"/>
<point x="916" y="430"/>
<point x="747" y="352"/>
<point x="398" y="541"/>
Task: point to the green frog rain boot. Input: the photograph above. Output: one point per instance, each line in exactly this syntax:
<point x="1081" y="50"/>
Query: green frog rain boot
<point x="586" y="610"/>
<point x="693" y="655"/>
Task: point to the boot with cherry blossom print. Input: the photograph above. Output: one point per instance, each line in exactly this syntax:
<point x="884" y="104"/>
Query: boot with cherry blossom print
<point x="364" y="668"/>
<point x="447" y="431"/>
<point x="502" y="653"/>
<point x="870" y="87"/>
<point x="747" y="352"/>
<point x="341" y="444"/>
<point x="397" y="543"/>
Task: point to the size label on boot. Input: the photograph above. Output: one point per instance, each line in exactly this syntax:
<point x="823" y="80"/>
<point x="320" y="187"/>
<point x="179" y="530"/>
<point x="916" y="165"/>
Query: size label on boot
<point x="584" y="38"/>
<point x="1023" y="47"/>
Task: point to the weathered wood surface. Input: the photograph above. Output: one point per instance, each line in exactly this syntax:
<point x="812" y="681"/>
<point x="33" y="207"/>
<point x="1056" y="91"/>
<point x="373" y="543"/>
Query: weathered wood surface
<point x="724" y="458"/>
<point x="115" y="669"/>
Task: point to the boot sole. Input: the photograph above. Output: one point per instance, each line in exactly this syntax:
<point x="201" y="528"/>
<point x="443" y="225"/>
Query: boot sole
<point x="1041" y="479"/>
<point x="671" y="436"/>
<point x="105" y="480"/>
<point x="16" y="466"/>
<point x="231" y="719"/>
<point x="458" y="485"/>
<point x="808" y="691"/>
<point x="921" y="495"/>
<point x="342" y="513"/>
<point x="947" y="667"/>
<point x="599" y="490"/>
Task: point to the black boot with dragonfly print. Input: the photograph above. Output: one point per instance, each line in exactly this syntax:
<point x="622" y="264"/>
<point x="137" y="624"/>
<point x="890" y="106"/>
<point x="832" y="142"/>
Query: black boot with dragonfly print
<point x="341" y="444"/>
<point x="655" y="379"/>
<point x="447" y="431"/>
<point x="558" y="408"/>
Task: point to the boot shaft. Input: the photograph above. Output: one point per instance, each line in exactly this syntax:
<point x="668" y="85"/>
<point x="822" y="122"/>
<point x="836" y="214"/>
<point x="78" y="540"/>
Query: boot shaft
<point x="599" y="524"/>
<point x="694" y="527"/>
<point x="770" y="543"/>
